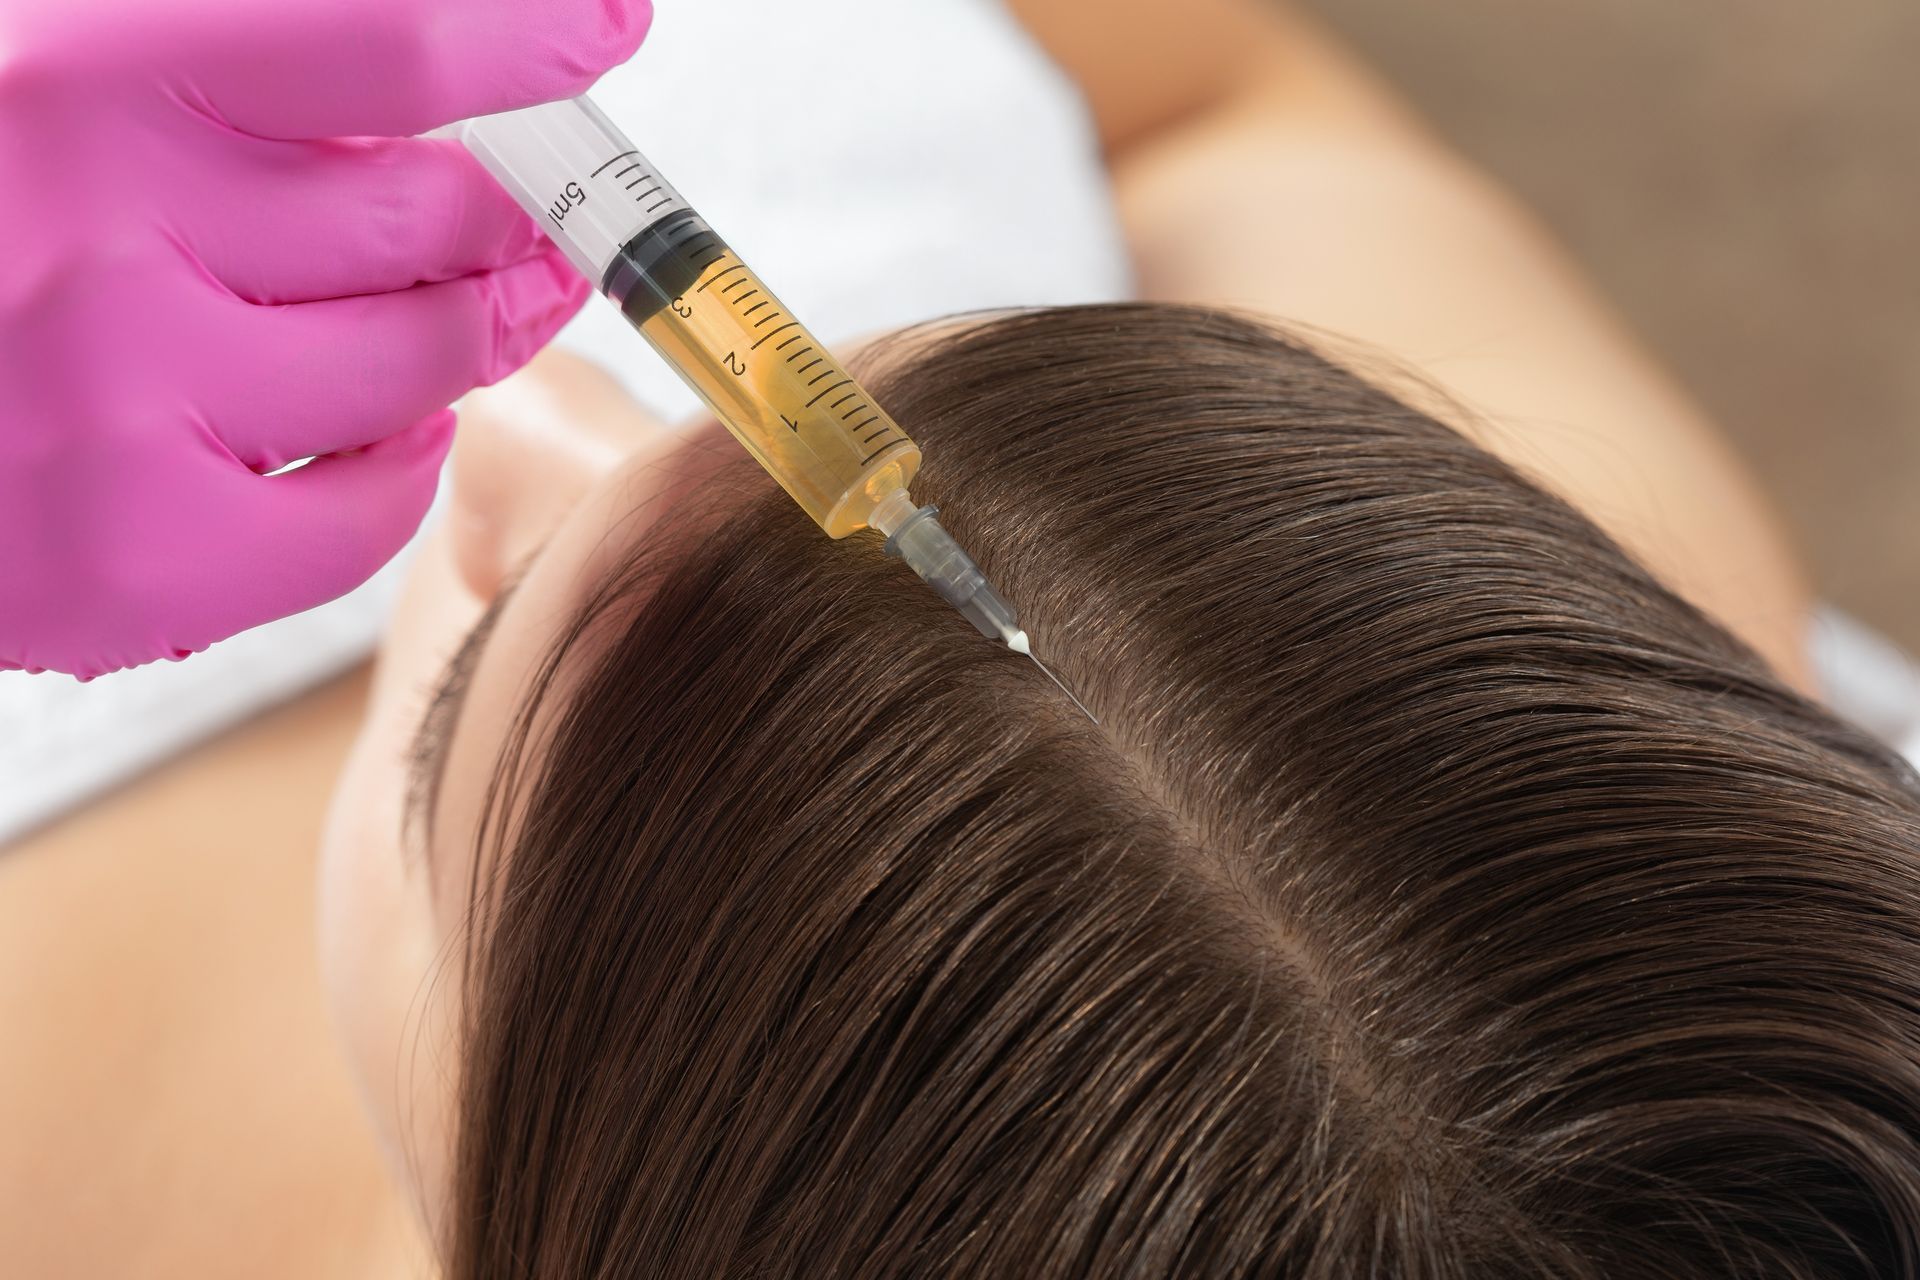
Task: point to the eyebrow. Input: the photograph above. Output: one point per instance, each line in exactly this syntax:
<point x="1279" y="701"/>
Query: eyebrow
<point x="432" y="740"/>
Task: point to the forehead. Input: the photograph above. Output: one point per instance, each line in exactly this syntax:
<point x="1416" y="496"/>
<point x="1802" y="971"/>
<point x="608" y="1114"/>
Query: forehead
<point x="694" y="476"/>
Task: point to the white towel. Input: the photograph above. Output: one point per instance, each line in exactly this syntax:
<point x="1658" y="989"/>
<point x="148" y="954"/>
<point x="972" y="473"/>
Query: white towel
<point x="1868" y="679"/>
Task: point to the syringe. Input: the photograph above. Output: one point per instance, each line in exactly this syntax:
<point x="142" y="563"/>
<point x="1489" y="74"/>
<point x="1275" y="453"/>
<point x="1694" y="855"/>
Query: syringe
<point x="773" y="384"/>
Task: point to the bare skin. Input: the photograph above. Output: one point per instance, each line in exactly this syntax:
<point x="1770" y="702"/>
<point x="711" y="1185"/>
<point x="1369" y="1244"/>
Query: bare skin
<point x="174" y="1100"/>
<point x="172" y="1096"/>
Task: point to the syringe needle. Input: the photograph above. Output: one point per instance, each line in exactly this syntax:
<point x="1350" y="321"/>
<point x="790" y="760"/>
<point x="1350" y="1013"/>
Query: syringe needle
<point x="1063" y="688"/>
<point x="914" y="534"/>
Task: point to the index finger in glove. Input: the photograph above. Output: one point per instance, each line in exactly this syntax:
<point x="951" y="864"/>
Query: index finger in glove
<point x="329" y="68"/>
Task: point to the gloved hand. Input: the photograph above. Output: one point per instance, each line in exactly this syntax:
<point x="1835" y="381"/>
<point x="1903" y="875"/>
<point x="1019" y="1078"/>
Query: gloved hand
<point x="220" y="252"/>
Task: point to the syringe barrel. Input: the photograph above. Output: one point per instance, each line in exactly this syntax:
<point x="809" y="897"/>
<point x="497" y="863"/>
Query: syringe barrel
<point x="797" y="410"/>
<point x="572" y="169"/>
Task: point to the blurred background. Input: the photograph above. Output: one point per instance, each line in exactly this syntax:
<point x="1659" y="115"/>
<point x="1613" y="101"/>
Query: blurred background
<point x="1742" y="177"/>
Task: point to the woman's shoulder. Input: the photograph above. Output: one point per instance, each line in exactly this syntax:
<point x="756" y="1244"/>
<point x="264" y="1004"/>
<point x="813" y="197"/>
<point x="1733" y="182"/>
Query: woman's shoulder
<point x="166" y="1028"/>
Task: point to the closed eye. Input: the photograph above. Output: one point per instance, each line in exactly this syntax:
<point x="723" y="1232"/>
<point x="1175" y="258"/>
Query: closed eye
<point x="427" y="757"/>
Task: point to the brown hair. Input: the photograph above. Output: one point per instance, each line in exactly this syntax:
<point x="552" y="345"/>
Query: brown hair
<point x="1439" y="896"/>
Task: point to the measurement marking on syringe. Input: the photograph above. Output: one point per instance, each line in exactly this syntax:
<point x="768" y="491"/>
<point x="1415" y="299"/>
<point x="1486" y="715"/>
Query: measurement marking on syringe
<point x="809" y="364"/>
<point x="843" y="399"/>
<point x="856" y="409"/>
<point x="609" y="164"/>
<point x="736" y="284"/>
<point x="769" y="333"/>
<point x="738" y="266"/>
<point x="789" y="342"/>
<point x="764" y="302"/>
<point x="769" y="320"/>
<point x="661" y="203"/>
<point x="844" y="382"/>
<point x="869" y="422"/>
<point x="645" y="177"/>
<point x="743" y="297"/>
<point x="828" y="374"/>
<point x="717" y="252"/>
<point x="629" y="169"/>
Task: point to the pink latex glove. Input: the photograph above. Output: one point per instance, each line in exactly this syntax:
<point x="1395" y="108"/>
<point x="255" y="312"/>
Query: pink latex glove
<point x="220" y="252"/>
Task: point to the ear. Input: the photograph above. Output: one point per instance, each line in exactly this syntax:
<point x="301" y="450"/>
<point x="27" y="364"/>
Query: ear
<point x="527" y="451"/>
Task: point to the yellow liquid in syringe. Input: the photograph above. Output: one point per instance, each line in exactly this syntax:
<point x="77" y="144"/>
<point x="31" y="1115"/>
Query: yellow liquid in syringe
<point x="795" y="408"/>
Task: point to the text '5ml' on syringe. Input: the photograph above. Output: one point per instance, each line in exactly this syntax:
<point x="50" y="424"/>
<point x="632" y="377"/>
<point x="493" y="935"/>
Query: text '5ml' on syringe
<point x="769" y="381"/>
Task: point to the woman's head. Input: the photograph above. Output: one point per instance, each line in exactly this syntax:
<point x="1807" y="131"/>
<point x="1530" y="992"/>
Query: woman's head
<point x="1437" y="896"/>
